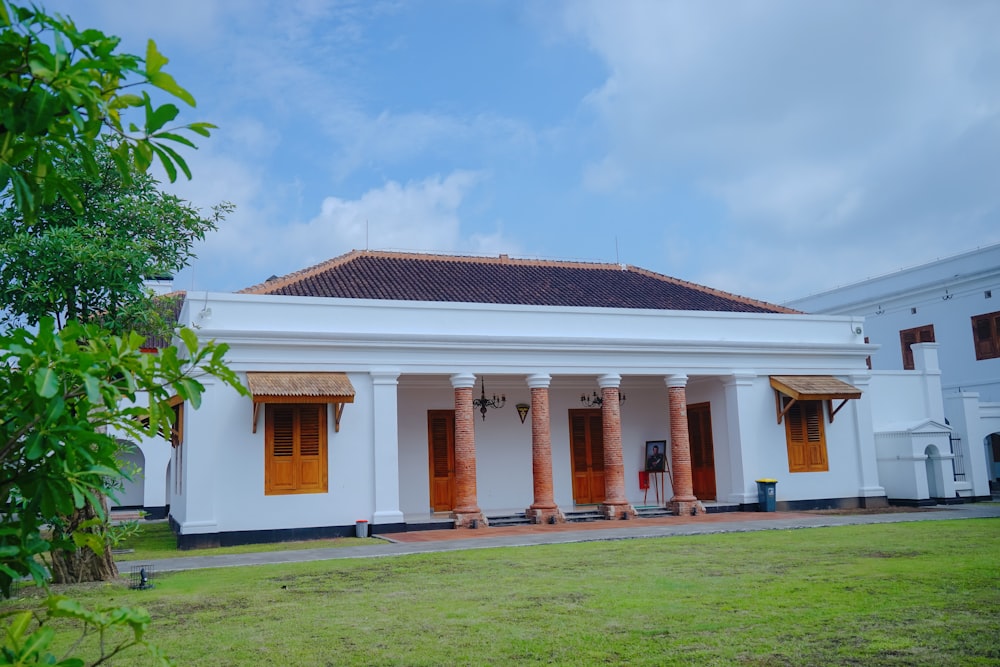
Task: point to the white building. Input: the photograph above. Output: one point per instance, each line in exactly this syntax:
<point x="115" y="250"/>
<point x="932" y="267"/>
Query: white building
<point x="408" y="390"/>
<point x="953" y="302"/>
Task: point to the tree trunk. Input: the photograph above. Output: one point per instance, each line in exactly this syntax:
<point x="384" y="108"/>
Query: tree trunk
<point x="74" y="567"/>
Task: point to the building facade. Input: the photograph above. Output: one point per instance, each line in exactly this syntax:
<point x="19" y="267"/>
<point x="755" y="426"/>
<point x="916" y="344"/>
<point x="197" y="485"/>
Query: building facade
<point x="413" y="391"/>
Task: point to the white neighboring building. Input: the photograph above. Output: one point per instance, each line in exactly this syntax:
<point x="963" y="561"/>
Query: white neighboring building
<point x="953" y="302"/>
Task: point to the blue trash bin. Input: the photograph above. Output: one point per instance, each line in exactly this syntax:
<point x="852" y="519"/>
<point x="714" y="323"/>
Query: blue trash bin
<point x="765" y="494"/>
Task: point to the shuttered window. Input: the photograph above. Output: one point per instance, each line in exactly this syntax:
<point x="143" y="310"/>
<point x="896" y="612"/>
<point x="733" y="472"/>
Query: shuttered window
<point x="295" y="448"/>
<point x="908" y="337"/>
<point x="986" y="335"/>
<point x="805" y="437"/>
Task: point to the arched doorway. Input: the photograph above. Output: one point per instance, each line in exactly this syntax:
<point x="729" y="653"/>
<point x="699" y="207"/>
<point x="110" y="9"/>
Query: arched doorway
<point x="932" y="461"/>
<point x="170" y="491"/>
<point x="132" y="492"/>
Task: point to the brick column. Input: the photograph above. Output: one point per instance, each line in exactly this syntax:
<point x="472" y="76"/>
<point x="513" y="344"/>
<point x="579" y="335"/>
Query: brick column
<point x="466" y="512"/>
<point x="684" y="501"/>
<point x="544" y="509"/>
<point x="615" y="506"/>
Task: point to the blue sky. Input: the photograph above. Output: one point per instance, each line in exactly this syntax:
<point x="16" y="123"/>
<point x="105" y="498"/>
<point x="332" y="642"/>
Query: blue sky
<point x="772" y="149"/>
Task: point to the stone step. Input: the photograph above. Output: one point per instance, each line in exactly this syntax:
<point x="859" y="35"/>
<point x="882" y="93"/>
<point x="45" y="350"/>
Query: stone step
<point x="583" y="516"/>
<point x="652" y="511"/>
<point x="509" y="520"/>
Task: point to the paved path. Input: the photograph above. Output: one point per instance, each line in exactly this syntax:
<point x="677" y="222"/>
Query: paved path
<point x="434" y="541"/>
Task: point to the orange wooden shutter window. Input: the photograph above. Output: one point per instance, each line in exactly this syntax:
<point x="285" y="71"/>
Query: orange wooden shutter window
<point x="805" y="437"/>
<point x="295" y="451"/>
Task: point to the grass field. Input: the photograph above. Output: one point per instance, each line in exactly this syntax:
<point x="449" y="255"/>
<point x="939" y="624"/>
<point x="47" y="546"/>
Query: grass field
<point x="924" y="593"/>
<point x="155" y="540"/>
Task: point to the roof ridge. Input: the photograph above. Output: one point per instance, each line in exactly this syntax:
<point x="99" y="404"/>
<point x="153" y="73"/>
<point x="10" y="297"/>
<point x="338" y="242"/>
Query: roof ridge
<point x="501" y="258"/>
<point x="716" y="292"/>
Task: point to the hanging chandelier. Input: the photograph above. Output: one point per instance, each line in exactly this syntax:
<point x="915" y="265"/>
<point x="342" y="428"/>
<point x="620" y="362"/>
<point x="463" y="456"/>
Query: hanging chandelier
<point x="483" y="403"/>
<point x="598" y="401"/>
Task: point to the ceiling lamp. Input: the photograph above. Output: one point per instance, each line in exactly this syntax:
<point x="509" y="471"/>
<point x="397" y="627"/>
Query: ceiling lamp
<point x="595" y="400"/>
<point x="483" y="403"/>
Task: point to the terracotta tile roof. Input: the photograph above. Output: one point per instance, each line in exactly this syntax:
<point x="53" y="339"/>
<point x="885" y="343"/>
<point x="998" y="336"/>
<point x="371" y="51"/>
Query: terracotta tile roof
<point x="366" y="274"/>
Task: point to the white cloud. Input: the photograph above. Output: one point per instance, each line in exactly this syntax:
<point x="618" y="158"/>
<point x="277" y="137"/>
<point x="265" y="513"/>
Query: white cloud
<point x="420" y="215"/>
<point x="835" y="131"/>
<point x="783" y="197"/>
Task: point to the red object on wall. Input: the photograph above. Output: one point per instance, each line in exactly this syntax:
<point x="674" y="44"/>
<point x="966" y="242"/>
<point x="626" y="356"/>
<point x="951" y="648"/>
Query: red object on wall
<point x="643" y="480"/>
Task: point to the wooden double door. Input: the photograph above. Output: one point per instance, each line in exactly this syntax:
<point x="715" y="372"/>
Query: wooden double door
<point x="702" y="451"/>
<point x="586" y="436"/>
<point x="441" y="452"/>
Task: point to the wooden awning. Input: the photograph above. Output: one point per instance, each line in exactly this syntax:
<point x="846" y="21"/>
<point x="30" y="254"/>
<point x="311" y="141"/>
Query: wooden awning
<point x="293" y="387"/>
<point x="176" y="432"/>
<point x="811" y="388"/>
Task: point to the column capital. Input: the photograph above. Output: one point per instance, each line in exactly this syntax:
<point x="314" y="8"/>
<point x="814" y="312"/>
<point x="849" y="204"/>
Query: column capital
<point x="539" y="380"/>
<point x="463" y="380"/>
<point x="609" y="381"/>
<point x="860" y="379"/>
<point x="385" y="376"/>
<point x="742" y="379"/>
<point x="679" y="380"/>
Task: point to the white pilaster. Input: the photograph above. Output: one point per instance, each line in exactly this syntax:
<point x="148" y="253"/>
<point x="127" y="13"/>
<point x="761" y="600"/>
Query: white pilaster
<point x="742" y="453"/>
<point x="200" y="464"/>
<point x="385" y="430"/>
<point x="861" y="409"/>
<point x="925" y="360"/>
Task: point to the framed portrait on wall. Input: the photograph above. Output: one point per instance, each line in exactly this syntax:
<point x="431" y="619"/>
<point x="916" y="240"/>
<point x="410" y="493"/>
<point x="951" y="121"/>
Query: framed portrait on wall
<point x="656" y="453"/>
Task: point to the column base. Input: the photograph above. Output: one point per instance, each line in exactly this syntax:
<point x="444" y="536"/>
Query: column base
<point x="616" y="511"/>
<point x="686" y="507"/>
<point x="545" y="515"/>
<point x="470" y="519"/>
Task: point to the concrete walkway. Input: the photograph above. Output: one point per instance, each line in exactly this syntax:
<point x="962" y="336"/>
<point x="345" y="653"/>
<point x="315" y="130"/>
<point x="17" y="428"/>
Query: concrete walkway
<point x="435" y="541"/>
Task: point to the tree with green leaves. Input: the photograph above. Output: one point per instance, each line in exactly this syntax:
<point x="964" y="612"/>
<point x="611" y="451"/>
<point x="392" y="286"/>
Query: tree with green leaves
<point x="64" y="94"/>
<point x="61" y="390"/>
<point x="89" y="266"/>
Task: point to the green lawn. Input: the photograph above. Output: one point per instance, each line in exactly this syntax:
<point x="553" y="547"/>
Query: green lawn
<point x="155" y="540"/>
<point x="925" y="593"/>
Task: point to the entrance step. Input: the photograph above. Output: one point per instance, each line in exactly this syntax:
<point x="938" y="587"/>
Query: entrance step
<point x="517" y="519"/>
<point x="581" y="516"/>
<point x="652" y="511"/>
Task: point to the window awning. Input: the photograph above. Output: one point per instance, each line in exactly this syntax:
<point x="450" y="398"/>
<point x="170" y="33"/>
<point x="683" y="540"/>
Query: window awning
<point x="176" y="430"/>
<point x="811" y="388"/>
<point x="269" y="387"/>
